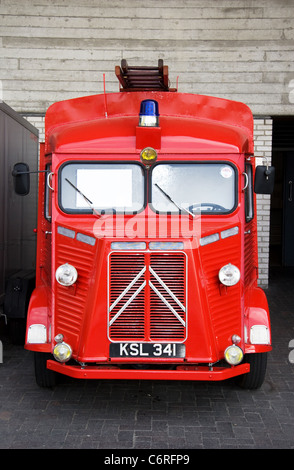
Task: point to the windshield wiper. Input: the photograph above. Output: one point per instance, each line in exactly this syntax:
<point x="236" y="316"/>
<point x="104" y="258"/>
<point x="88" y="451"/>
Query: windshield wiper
<point x="85" y="197"/>
<point x="173" y="202"/>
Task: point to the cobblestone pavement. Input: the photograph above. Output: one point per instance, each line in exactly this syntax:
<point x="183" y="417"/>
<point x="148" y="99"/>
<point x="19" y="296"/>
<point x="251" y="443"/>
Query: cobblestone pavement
<point x="153" y="414"/>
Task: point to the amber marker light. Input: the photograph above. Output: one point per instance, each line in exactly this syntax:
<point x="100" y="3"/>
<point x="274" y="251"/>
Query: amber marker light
<point x="148" y="156"/>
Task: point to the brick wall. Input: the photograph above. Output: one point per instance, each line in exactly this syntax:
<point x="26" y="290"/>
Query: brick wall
<point x="263" y="148"/>
<point x="39" y="123"/>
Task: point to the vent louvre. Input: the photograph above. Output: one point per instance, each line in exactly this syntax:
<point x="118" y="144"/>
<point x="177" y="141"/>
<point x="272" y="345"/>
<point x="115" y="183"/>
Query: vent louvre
<point x="225" y="310"/>
<point x="70" y="309"/>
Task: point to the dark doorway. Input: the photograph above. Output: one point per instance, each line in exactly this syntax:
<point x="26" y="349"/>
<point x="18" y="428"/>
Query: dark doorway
<point x="282" y="201"/>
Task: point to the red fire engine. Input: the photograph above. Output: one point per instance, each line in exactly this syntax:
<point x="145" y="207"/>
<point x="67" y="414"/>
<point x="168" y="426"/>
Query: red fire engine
<point x="147" y="238"/>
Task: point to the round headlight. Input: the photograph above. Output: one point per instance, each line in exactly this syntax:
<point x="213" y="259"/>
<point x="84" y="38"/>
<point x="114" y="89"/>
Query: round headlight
<point x="229" y="275"/>
<point x="233" y="355"/>
<point x="62" y="352"/>
<point x="66" y="274"/>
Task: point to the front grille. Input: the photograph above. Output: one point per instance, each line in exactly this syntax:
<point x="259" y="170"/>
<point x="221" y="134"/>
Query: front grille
<point x="127" y="299"/>
<point x="147" y="297"/>
<point x="167" y="320"/>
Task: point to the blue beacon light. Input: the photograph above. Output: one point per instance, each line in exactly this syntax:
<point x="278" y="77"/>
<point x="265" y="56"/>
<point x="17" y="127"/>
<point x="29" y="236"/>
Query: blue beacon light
<point x="149" y="115"/>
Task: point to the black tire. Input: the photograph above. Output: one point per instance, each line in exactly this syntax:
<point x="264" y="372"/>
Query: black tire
<point x="255" y="378"/>
<point x="44" y="377"/>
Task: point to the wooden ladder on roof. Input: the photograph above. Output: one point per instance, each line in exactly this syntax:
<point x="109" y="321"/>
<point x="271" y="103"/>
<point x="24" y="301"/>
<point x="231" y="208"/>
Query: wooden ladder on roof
<point x="143" y="78"/>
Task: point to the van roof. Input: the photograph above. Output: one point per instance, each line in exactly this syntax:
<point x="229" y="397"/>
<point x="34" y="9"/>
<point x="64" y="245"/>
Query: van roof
<point x="198" y="122"/>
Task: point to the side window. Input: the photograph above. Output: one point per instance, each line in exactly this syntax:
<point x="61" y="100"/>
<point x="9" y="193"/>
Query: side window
<point x="48" y="195"/>
<point x="249" y="201"/>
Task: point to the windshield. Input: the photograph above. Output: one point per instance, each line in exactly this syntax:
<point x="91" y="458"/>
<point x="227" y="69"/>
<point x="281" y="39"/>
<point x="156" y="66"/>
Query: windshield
<point x="114" y="187"/>
<point x="91" y="187"/>
<point x="196" y="187"/>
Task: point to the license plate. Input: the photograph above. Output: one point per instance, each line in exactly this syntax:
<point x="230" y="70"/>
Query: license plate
<point x="163" y="350"/>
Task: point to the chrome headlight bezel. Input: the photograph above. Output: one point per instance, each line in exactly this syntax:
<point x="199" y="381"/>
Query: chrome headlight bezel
<point x="229" y="275"/>
<point x="66" y="275"/>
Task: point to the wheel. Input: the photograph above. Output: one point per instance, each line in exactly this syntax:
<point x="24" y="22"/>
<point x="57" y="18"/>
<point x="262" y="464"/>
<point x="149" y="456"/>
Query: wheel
<point x="44" y="376"/>
<point x="253" y="379"/>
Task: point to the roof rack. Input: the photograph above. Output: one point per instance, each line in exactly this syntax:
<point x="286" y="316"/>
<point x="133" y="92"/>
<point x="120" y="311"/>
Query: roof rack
<point x="143" y="78"/>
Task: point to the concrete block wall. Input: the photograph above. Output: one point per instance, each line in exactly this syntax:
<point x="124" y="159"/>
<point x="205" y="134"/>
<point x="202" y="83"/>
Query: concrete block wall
<point x="52" y="50"/>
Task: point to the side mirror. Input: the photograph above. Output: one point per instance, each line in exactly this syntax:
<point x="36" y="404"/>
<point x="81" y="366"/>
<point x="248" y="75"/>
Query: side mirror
<point x="21" y="178"/>
<point x="264" y="179"/>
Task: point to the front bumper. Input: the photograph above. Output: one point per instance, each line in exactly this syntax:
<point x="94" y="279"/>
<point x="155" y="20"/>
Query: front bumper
<point x="197" y="373"/>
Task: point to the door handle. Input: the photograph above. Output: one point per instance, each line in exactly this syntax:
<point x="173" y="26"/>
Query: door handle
<point x="290" y="191"/>
<point x="246" y="181"/>
<point x="49" y="180"/>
